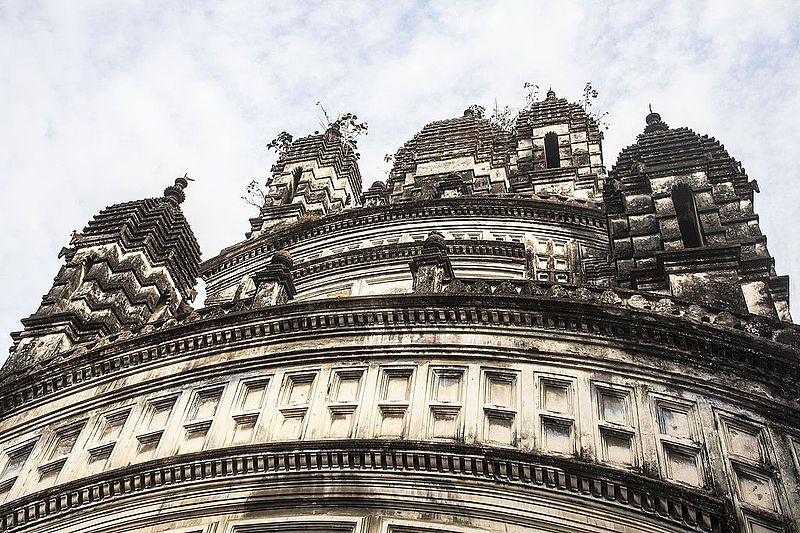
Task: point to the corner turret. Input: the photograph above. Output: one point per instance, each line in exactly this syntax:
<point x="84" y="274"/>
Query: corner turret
<point x="557" y="149"/>
<point x="681" y="221"/>
<point x="134" y="262"/>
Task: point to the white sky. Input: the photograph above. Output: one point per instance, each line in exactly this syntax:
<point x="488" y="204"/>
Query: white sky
<point x="104" y="102"/>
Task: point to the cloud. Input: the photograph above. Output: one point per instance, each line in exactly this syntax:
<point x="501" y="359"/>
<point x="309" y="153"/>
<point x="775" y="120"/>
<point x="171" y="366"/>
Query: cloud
<point x="108" y="102"/>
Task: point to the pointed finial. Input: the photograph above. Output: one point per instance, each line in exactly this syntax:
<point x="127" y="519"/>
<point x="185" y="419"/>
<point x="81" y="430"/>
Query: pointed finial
<point x="551" y="94"/>
<point x="654" y="122"/>
<point x="175" y="192"/>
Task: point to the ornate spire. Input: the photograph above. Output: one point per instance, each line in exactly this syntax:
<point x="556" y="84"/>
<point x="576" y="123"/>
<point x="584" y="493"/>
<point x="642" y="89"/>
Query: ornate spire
<point x="551" y="94"/>
<point x="134" y="262"/>
<point x="654" y="122"/>
<point x="175" y="192"/>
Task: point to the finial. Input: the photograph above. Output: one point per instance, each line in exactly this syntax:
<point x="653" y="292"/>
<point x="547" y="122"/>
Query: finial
<point x="551" y="94"/>
<point x="175" y="192"/>
<point x="654" y="122"/>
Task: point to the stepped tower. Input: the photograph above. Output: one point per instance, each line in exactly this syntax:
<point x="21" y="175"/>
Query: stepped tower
<point x="499" y="337"/>
<point x="133" y="263"/>
<point x="681" y="221"/>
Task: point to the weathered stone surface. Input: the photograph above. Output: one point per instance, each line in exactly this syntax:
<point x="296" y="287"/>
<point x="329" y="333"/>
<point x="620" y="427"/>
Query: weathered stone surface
<point x="480" y="346"/>
<point x="668" y="165"/>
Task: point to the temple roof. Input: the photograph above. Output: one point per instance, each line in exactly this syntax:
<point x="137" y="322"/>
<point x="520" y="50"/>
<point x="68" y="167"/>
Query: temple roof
<point x="328" y="150"/>
<point x="465" y="136"/>
<point x="153" y="225"/>
<point x="662" y="150"/>
<point x="551" y="111"/>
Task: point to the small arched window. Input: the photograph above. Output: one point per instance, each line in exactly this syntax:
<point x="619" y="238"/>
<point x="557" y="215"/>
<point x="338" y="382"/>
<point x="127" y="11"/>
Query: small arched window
<point x="551" y="150"/>
<point x="688" y="220"/>
<point x="297" y="175"/>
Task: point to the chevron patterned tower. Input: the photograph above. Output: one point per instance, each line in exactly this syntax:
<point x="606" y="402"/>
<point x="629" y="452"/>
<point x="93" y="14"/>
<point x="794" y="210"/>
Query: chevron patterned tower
<point x="134" y="262"/>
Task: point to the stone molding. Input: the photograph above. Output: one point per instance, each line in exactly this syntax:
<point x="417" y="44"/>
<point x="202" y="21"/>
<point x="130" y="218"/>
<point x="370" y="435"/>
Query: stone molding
<point x="552" y="209"/>
<point x="694" y="510"/>
<point x="455" y="247"/>
<point x="605" y="316"/>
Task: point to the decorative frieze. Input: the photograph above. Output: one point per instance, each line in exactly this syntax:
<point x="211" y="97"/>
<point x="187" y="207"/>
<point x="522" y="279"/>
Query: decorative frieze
<point x="691" y="510"/>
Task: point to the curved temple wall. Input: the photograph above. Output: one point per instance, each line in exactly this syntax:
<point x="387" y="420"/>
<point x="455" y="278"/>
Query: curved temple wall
<point x="518" y="396"/>
<point x="520" y="238"/>
<point x="479" y="344"/>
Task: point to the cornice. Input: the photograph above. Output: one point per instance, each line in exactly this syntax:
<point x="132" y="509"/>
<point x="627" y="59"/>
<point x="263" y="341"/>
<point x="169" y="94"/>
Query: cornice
<point x="551" y="209"/>
<point x="455" y="248"/>
<point x="682" y="340"/>
<point x="695" y="510"/>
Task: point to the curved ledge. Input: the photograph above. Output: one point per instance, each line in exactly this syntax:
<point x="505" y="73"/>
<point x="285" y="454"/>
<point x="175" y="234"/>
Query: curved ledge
<point x="670" y="338"/>
<point x="693" y="510"/>
<point x="569" y="212"/>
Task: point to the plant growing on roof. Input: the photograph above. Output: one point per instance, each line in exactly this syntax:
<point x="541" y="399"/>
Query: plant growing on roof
<point x="589" y="95"/>
<point x="531" y="93"/>
<point x="348" y="126"/>
<point x="281" y="143"/>
<point x="476" y="110"/>
<point x="505" y="117"/>
<point x="256" y="193"/>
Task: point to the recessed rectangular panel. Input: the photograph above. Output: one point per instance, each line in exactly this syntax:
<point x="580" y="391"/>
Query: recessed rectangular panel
<point x="756" y="488"/>
<point x="744" y="440"/>
<point x="556" y="396"/>
<point x="252" y="398"/>
<point x="397" y="386"/>
<point x="48" y="474"/>
<point x="676" y="421"/>
<point x="204" y="404"/>
<point x="111" y="424"/>
<point x="16" y="459"/>
<point x="65" y="440"/>
<point x="148" y="444"/>
<point x="500" y="429"/>
<point x="613" y="407"/>
<point x="447" y="385"/>
<point x="617" y="447"/>
<point x="195" y="435"/>
<point x="683" y="466"/>
<point x="557" y="436"/>
<point x="345" y="386"/>
<point x="445" y="423"/>
<point x="98" y="457"/>
<point x="5" y="487"/>
<point x="244" y="428"/>
<point x="297" y="389"/>
<point x="341" y="422"/>
<point x="291" y="427"/>
<point x="392" y="421"/>
<point x="500" y="389"/>
<point x="761" y="525"/>
<point x="157" y="413"/>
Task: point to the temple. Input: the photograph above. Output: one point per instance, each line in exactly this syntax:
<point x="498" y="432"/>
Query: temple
<point x="500" y="336"/>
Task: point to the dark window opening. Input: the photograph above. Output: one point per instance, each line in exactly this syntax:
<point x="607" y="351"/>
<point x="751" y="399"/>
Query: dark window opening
<point x="297" y="175"/>
<point x="688" y="221"/>
<point x="551" y="150"/>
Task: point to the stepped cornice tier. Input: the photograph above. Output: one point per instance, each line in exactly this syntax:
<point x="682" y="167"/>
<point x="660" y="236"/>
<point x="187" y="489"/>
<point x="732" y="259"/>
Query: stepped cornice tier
<point x="341" y="469"/>
<point x="155" y="226"/>
<point x="551" y="208"/>
<point x="595" y="339"/>
<point x="753" y="347"/>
